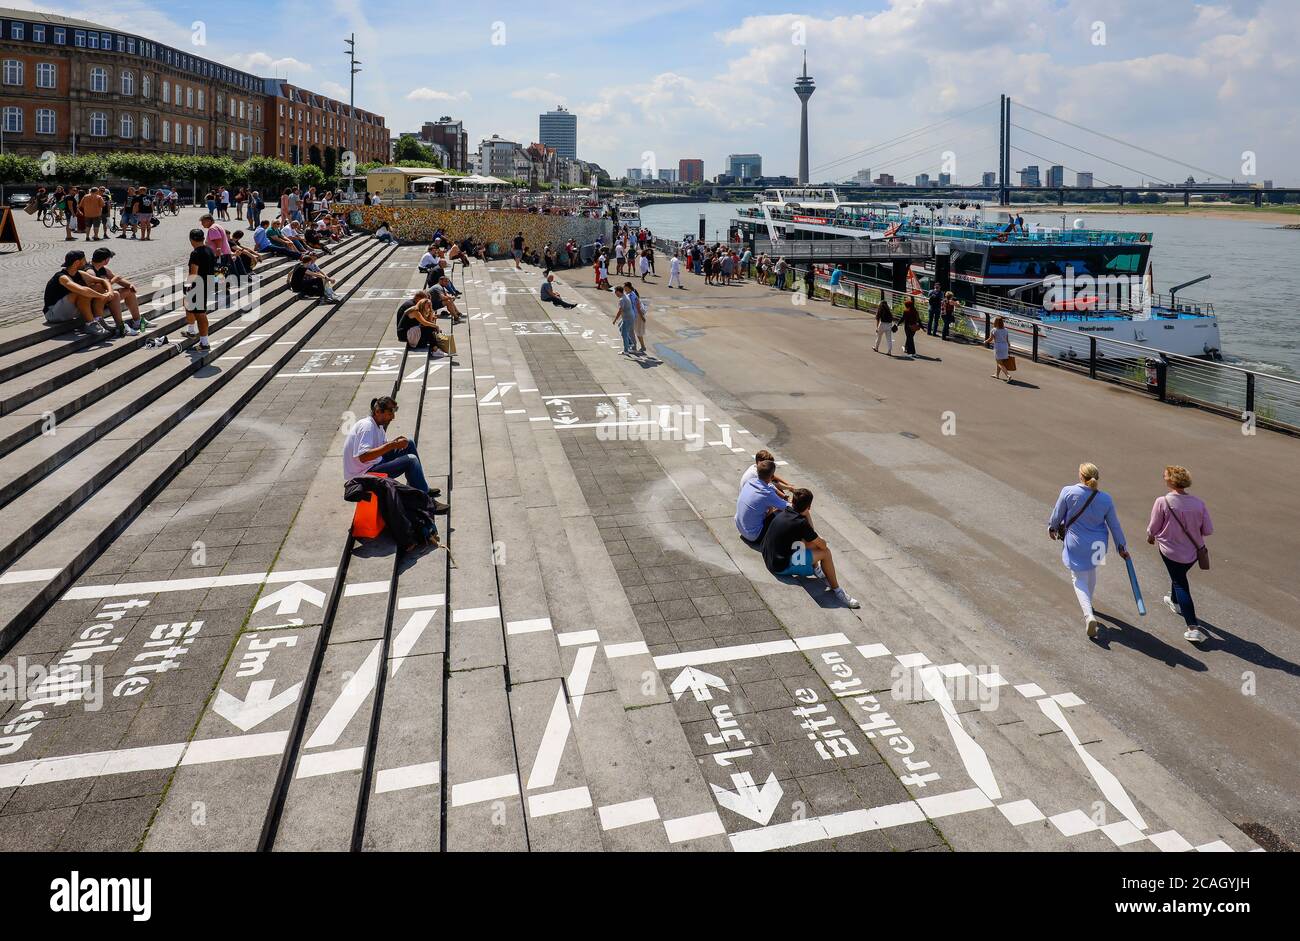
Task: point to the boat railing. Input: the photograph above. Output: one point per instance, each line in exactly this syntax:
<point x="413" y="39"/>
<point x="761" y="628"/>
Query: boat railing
<point x="843" y="249"/>
<point x="1255" y="398"/>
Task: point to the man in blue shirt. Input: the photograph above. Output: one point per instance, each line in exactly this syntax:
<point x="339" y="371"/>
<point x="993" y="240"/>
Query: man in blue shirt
<point x="935" y="297"/>
<point x="266" y="245"/>
<point x="757" y="501"/>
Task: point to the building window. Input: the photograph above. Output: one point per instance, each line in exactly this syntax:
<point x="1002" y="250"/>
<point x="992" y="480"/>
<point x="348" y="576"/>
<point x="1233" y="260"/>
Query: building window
<point x="13" y="72"/>
<point x="243" y="112"/>
<point x="189" y="97"/>
<point x="178" y="95"/>
<point x="44" y="120"/>
<point x="282" y="109"/>
<point x="167" y="91"/>
<point x="257" y="145"/>
<point x="60" y="36"/>
<point x="128" y="82"/>
<point x="144" y="127"/>
<point x="145" y="82"/>
<point x="189" y="135"/>
<point x="167" y="132"/>
<point x="46" y="75"/>
<point x="221" y="103"/>
<point x="126" y="127"/>
<point x="200" y="137"/>
<point x="79" y="38"/>
<point x="200" y="99"/>
<point x="130" y="46"/>
<point x="92" y="40"/>
<point x="98" y="79"/>
<point x="105" y="41"/>
<point x="13" y="122"/>
<point x="121" y="44"/>
<point x="176" y="126"/>
<point x="38" y="33"/>
<point x="15" y="30"/>
<point x="221" y="137"/>
<point x="98" y="124"/>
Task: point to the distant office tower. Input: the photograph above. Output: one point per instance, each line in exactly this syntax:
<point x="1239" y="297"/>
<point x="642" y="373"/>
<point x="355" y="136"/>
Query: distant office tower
<point x="885" y="179"/>
<point x="559" y="129"/>
<point x="634" y="174"/>
<point x="667" y="176"/>
<point x="923" y="179"/>
<point x="990" y="179"/>
<point x="945" y="179"/>
<point x="452" y="136"/>
<point x="744" y="166"/>
<point x="804" y="88"/>
<point x="1083" y="180"/>
<point x="1056" y="175"/>
<point x="862" y="177"/>
<point x="1029" y="176"/>
<point x="690" y="171"/>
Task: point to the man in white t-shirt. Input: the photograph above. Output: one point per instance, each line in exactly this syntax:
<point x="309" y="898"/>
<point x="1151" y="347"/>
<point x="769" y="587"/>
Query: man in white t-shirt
<point x="367" y="448"/>
<point x="751" y="472"/>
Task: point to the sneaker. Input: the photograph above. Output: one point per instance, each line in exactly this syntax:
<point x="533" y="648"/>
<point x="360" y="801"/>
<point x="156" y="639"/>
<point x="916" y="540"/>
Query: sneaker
<point x="1091" y="625"/>
<point x="817" y="570"/>
<point x="191" y="330"/>
<point x="203" y="344"/>
<point x="96" y="330"/>
<point x="1172" y="605"/>
<point x="843" y="598"/>
<point x="1194" y="635"/>
<point x="130" y="330"/>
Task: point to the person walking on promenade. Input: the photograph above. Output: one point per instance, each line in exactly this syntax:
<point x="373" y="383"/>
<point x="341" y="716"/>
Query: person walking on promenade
<point x="935" y="300"/>
<point x="885" y="327"/>
<point x="1081" y="519"/>
<point x="1000" y="340"/>
<point x="950" y="308"/>
<point x="781" y="267"/>
<point x="911" y="326"/>
<point x="643" y="264"/>
<point x="517" y="249"/>
<point x="639" y="306"/>
<point x="675" y="273"/>
<point x="810" y="282"/>
<point x="625" y="320"/>
<point x="1178" y="527"/>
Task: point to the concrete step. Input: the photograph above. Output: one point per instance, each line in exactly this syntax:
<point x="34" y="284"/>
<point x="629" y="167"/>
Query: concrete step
<point x="92" y="406"/>
<point x="80" y="535"/>
<point x="37" y="371"/>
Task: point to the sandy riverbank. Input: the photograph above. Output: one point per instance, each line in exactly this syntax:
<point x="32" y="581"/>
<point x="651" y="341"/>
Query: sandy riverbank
<point x="1277" y="215"/>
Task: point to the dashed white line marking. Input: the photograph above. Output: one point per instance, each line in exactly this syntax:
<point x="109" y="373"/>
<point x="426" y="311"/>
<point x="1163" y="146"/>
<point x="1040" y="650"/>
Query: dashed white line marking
<point x="485" y="789"/>
<point x="331" y="762"/>
<point x="693" y="827"/>
<point x="574" y="638"/>
<point x="475" y="614"/>
<point x="628" y="813"/>
<point x="558" y="802"/>
<point x="528" y="626"/>
<point x="400" y="779"/>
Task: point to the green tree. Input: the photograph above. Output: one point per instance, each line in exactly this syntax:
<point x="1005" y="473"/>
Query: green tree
<point x="411" y="153"/>
<point x="16" y="169"/>
<point x="310" y="175"/>
<point x="331" y="164"/>
<point x="86" y="168"/>
<point x="269" y="175"/>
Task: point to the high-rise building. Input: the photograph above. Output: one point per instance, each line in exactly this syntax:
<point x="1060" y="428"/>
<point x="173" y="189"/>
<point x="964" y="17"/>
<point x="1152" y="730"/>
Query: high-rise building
<point x="690" y="171"/>
<point x="634" y="174"/>
<point x="451" y="135"/>
<point x="804" y="88"/>
<point x="1029" y="176"/>
<point x="862" y="177"/>
<point x="1056" y="176"/>
<point x="923" y="179"/>
<point x="945" y="179"/>
<point x="990" y="179"/>
<point x="667" y="176"/>
<point x="885" y="179"/>
<point x="499" y="158"/>
<point x="559" y="129"/>
<point x="744" y="166"/>
<point x="1083" y="179"/>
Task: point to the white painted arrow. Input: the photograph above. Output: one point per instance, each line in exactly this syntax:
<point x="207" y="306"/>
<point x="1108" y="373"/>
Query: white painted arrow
<point x="557" y="401"/>
<point x="290" y="597"/>
<point x="253" y="339"/>
<point x="258" y="706"/>
<point x="750" y="801"/>
<point x="698" y="682"/>
<point x="567" y="421"/>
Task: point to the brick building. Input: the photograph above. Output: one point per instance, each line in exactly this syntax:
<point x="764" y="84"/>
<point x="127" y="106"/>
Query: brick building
<point x="690" y="171"/>
<point x="452" y="136"/>
<point x="71" y="86"/>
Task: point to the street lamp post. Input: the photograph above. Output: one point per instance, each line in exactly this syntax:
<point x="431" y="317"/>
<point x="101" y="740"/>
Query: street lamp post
<point x="353" y="68"/>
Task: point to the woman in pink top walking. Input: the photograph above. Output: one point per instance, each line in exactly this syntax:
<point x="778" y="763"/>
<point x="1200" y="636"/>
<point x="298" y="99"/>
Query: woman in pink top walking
<point x="1179" y="524"/>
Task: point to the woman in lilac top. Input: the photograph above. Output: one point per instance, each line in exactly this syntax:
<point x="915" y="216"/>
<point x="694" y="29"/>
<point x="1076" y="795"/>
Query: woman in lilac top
<point x="1179" y="524"/>
<point x="1089" y="517"/>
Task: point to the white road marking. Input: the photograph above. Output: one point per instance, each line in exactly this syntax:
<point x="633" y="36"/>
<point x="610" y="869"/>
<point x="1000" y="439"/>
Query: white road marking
<point x="192" y="584"/>
<point x="485" y="789"/>
<point x="1106" y="780"/>
<point x="551" y="748"/>
<point x="694" y="827"/>
<point x="331" y="762"/>
<point x="407" y="637"/>
<point x="408" y="776"/>
<point x="579" y="676"/>
<point x="558" y="802"/>
<point x="366" y="588"/>
<point x="747" y="651"/>
<point x="30" y="575"/>
<point x="475" y="614"/>
<point x="529" y="626"/>
<point x="871" y="651"/>
<point x="973" y="757"/>
<point x="1171" y="841"/>
<point x="420" y="601"/>
<point x="354" y="693"/>
<point x="614" y="651"/>
<point x="628" y="813"/>
<point x="1021" y="812"/>
<point x="575" y="638"/>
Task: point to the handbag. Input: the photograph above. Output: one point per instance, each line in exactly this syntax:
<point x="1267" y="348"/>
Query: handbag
<point x="1202" y="551"/>
<point x="1010" y="364"/>
<point x="1059" y="531"/>
<point x="446" y="342"/>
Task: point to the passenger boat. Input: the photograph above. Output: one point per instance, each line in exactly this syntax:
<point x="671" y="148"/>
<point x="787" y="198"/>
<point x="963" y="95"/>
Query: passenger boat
<point x="1094" y="281"/>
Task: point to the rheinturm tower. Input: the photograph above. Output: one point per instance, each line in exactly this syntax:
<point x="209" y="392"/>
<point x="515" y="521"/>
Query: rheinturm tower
<point x="804" y="87"/>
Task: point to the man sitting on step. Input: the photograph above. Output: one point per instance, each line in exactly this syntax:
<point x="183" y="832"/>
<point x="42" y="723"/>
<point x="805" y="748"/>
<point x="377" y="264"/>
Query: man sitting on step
<point x="367" y="449"/>
<point x="792" y="547"/>
<point x="550" y="296"/>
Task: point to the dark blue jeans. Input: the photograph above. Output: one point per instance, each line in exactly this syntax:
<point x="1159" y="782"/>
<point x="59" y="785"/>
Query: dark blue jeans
<point x="405" y="461"/>
<point x="1179" y="590"/>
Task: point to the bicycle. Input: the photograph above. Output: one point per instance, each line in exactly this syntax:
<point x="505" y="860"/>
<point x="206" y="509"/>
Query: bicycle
<point x="170" y="208"/>
<point x="55" y="218"/>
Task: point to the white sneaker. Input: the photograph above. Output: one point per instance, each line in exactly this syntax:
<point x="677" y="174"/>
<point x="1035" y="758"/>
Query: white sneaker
<point x="191" y="330"/>
<point x="817" y="570"/>
<point x="1194" y="635"/>
<point x="131" y="331"/>
<point x="1091" y="625"/>
<point x="203" y="343"/>
<point x="843" y="598"/>
<point x="1172" y="605"/>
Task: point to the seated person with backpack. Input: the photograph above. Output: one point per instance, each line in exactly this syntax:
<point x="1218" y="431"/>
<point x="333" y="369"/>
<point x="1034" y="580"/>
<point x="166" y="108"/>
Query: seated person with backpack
<point x="307" y="280"/>
<point x="417" y="324"/>
<point x="792" y="547"/>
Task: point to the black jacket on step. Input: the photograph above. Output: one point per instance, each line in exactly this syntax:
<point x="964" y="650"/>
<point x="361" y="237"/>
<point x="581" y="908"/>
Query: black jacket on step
<point x="407" y="512"/>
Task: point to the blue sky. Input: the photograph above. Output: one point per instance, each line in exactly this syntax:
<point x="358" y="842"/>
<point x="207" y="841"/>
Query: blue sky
<point x="1204" y="82"/>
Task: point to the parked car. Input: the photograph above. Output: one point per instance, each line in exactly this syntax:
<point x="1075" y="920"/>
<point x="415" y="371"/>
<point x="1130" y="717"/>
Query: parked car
<point x="20" y="200"/>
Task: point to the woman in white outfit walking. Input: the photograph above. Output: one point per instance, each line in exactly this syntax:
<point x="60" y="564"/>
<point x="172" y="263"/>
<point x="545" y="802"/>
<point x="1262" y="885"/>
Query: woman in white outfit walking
<point x="1083" y="518"/>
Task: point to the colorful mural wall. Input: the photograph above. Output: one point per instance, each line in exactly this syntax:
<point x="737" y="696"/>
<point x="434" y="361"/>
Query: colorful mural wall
<point x="417" y="224"/>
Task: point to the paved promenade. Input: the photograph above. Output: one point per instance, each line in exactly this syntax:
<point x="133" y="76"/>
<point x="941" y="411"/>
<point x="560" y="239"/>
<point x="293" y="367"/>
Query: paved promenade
<point x="599" y="662"/>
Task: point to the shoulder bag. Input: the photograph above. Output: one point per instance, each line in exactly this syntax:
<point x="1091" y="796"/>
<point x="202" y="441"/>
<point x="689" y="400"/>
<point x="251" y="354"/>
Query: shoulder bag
<point x="1202" y="550"/>
<point x="1058" y="531"/>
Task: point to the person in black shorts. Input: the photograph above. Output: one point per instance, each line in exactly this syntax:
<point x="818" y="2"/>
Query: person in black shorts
<point x="792" y="547"/>
<point x="518" y="250"/>
<point x="199" y="285"/>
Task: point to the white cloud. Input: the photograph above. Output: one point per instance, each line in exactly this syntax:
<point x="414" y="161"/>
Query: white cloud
<point x="263" y="63"/>
<point x="425" y="93"/>
<point x="533" y="93"/>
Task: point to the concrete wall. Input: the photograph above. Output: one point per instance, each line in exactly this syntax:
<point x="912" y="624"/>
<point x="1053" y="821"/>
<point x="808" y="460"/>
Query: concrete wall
<point x="417" y="224"/>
